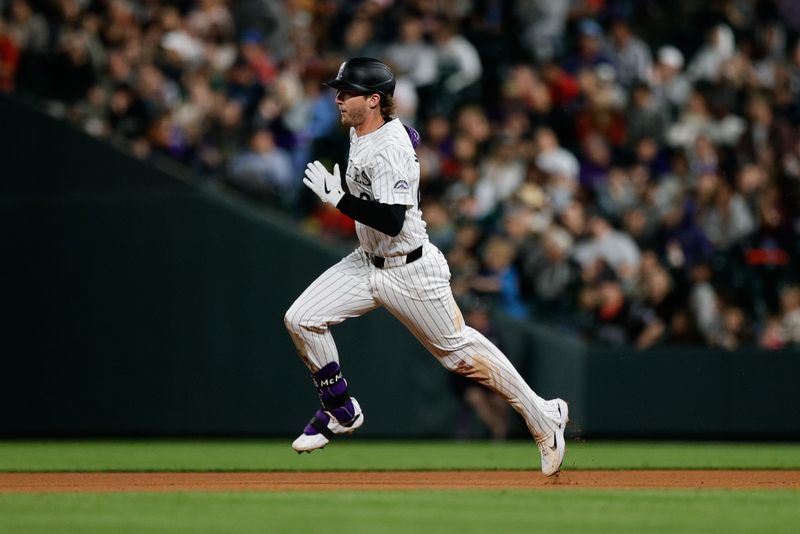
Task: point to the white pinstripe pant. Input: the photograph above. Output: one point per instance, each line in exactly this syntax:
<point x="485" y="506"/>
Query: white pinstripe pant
<point x="419" y="295"/>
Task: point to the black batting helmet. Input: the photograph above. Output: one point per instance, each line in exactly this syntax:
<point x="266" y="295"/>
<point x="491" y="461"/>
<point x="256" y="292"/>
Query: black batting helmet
<point x="364" y="75"/>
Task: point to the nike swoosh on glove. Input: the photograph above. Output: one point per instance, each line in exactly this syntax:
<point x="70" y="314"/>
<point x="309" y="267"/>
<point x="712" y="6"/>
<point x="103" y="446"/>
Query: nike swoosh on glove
<point x="327" y="186"/>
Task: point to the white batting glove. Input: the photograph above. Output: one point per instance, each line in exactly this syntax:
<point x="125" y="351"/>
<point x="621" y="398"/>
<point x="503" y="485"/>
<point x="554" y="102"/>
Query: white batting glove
<point x="327" y="186"/>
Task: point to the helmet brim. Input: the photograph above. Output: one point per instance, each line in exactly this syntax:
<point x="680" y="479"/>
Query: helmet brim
<point x="337" y="83"/>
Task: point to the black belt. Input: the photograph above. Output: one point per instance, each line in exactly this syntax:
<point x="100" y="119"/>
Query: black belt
<point x="412" y="256"/>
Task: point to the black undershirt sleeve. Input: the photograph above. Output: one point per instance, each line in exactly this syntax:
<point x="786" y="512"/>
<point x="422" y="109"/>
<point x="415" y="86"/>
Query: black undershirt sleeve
<point x="386" y="218"/>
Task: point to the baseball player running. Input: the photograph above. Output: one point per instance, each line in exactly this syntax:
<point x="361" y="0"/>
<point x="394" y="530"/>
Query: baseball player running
<point x="397" y="267"/>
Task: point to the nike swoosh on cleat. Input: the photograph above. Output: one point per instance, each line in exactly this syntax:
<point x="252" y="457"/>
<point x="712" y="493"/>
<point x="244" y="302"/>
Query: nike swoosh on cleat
<point x="555" y="443"/>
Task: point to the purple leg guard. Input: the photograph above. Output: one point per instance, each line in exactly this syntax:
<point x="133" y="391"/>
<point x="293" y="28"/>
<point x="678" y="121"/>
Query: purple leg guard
<point x="321" y="417"/>
<point x="332" y="390"/>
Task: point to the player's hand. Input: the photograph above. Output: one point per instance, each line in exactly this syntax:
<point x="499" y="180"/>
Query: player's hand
<point x="327" y="186"/>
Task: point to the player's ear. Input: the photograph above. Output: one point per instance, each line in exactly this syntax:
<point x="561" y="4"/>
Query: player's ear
<point x="374" y="100"/>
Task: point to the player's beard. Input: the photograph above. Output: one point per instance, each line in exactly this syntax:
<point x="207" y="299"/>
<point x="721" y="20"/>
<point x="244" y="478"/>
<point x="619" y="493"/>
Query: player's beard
<point x="353" y="117"/>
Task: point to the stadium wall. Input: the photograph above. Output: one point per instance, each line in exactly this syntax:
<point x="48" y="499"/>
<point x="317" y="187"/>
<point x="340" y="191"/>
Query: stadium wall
<point x="138" y="302"/>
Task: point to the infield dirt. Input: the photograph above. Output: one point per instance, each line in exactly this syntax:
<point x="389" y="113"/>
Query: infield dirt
<point x="395" y="480"/>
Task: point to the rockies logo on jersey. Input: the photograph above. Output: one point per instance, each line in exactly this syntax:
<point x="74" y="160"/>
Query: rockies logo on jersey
<point x="362" y="178"/>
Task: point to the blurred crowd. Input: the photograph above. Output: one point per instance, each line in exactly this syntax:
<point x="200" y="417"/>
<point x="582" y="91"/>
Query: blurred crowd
<point x="626" y="171"/>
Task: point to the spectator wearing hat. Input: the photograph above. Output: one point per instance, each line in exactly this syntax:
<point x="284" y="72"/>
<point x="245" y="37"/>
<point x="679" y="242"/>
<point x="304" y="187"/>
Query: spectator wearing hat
<point x="669" y="84"/>
<point x="589" y="51"/>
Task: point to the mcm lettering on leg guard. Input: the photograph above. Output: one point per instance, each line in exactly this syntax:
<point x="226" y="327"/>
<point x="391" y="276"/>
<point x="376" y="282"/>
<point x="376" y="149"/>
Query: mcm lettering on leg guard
<point x="397" y="267"/>
<point x="340" y="413"/>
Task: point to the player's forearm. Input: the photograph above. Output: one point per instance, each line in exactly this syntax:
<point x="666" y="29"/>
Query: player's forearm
<point x="386" y="218"/>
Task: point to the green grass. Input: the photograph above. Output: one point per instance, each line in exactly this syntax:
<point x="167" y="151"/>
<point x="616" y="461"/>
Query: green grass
<point x="560" y="511"/>
<point x="556" y="510"/>
<point x="357" y="454"/>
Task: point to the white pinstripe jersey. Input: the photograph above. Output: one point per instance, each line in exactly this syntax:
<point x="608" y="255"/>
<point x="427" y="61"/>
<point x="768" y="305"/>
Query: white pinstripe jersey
<point x="383" y="166"/>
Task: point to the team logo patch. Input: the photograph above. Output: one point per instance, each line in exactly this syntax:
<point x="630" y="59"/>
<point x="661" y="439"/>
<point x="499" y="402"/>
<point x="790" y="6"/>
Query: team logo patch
<point x="401" y="185"/>
<point x="362" y="178"/>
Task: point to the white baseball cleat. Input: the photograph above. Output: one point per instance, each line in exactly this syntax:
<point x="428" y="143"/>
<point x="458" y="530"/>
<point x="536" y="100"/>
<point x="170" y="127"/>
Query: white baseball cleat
<point x="323" y="426"/>
<point x="552" y="447"/>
